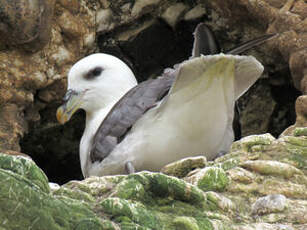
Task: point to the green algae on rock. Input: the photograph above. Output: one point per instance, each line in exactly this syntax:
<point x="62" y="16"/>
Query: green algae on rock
<point x="301" y="131"/>
<point x="74" y="205"/>
<point x="186" y="223"/>
<point x="134" y="212"/>
<point x="228" y="193"/>
<point x="23" y="204"/>
<point x="247" y="143"/>
<point x="210" y="179"/>
<point x="26" y="168"/>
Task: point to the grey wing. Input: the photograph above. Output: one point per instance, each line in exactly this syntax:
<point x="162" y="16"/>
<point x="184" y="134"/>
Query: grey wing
<point x="145" y="95"/>
<point x="204" y="41"/>
<point x="126" y="112"/>
<point x="206" y="44"/>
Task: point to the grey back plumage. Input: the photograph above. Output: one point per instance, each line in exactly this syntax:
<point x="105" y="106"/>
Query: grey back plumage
<point x="147" y="94"/>
<point x="126" y="112"/>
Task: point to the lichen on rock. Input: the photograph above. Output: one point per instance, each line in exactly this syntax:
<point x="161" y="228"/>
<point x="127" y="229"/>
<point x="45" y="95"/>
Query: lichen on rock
<point x="147" y="200"/>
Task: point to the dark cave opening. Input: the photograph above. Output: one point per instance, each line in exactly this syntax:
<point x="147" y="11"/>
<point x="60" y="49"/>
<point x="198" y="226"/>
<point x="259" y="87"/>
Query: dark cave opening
<point x="157" y="47"/>
<point x="55" y="148"/>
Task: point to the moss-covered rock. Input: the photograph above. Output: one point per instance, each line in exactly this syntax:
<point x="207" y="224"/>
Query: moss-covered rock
<point x="26" y="168"/>
<point x="182" y="167"/>
<point x="23" y="204"/>
<point x="261" y="183"/>
<point x="210" y="179"/>
<point x="302" y="131"/>
<point x="186" y="223"/>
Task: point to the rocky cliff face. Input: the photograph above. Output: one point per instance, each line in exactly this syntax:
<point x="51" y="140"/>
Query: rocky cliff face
<point x="39" y="42"/>
<point x="49" y="36"/>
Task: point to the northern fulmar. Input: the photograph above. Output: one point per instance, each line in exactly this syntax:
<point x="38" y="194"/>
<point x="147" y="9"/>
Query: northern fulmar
<point x="188" y="111"/>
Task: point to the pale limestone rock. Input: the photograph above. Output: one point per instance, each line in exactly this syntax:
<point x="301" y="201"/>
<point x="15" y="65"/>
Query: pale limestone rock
<point x="54" y="186"/>
<point x="61" y="56"/>
<point x="289" y="189"/>
<point x="221" y="201"/>
<point x="41" y="79"/>
<point x="89" y="40"/>
<point x="105" y="3"/>
<point x="265" y="226"/>
<point x="126" y="8"/>
<point x="173" y="14"/>
<point x="272" y="168"/>
<point x="104" y="20"/>
<point x="195" y="13"/>
<point x="126" y="35"/>
<point x="141" y="7"/>
<point x="71" y="25"/>
<point x="241" y="175"/>
<point x="269" y="204"/>
<point x="182" y="167"/>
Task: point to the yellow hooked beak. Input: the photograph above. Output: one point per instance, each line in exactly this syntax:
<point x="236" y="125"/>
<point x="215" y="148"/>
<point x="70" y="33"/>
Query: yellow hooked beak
<point x="72" y="102"/>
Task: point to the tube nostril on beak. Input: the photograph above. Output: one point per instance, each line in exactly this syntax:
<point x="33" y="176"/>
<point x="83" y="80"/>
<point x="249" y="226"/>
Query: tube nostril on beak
<point x="69" y="94"/>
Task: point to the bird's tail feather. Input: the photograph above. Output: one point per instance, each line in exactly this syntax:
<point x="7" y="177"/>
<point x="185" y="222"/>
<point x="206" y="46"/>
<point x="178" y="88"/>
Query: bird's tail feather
<point x="205" y="42"/>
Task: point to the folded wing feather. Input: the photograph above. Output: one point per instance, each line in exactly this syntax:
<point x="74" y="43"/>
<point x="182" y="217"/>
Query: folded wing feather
<point x="246" y="70"/>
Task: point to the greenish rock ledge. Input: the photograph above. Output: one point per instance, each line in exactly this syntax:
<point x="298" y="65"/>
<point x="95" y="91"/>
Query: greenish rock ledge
<point x="260" y="184"/>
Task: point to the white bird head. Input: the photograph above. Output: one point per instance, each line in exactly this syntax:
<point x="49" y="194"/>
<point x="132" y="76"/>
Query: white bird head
<point x="95" y="82"/>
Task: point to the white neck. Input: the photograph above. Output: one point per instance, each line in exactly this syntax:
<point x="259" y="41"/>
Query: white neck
<point x="93" y="121"/>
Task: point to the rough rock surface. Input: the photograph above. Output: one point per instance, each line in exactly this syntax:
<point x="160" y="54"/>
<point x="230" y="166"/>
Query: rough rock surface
<point x="261" y="184"/>
<point x="255" y="197"/>
<point x="50" y="35"/>
<point x="25" y="24"/>
<point x="62" y="31"/>
<point x="301" y="117"/>
<point x="30" y="80"/>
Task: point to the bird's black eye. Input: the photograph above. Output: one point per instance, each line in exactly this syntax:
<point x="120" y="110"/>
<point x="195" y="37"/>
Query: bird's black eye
<point x="94" y="73"/>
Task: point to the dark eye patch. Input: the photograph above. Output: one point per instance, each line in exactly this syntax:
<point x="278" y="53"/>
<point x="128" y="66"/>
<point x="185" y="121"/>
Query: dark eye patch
<point x="93" y="73"/>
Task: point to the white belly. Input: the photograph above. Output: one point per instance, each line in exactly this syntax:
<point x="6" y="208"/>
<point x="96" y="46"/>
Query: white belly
<point x="195" y="118"/>
<point x="195" y="128"/>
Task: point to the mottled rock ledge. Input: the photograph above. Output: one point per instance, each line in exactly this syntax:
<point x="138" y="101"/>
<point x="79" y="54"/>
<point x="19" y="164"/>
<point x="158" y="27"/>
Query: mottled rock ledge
<point x="41" y="39"/>
<point x="260" y="185"/>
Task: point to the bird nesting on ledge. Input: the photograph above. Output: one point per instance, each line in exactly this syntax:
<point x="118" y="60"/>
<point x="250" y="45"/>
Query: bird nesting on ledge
<point x="187" y="111"/>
